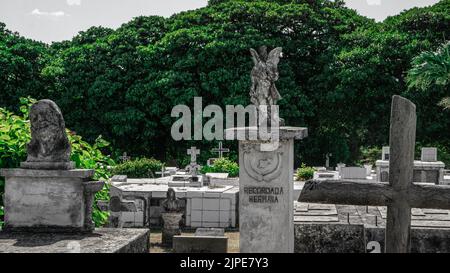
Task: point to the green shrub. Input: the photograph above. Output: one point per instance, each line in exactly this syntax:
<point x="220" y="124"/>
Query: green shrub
<point x="304" y="173"/>
<point x="139" y="168"/>
<point x="369" y="155"/>
<point x="15" y="134"/>
<point x="222" y="165"/>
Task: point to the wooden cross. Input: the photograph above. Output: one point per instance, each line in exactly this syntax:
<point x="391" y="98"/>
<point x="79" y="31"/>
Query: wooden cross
<point x="220" y="150"/>
<point x="399" y="195"/>
<point x="193" y="152"/>
<point x="124" y="157"/>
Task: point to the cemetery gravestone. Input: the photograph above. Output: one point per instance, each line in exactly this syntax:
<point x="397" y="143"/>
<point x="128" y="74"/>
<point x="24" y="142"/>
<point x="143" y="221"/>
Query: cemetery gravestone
<point x="385" y="153"/>
<point x="220" y="150"/>
<point x="47" y="193"/>
<point x="205" y="240"/>
<point x="399" y="195"/>
<point x="353" y="173"/>
<point x="50" y="202"/>
<point x="266" y="174"/>
<point x="429" y="154"/>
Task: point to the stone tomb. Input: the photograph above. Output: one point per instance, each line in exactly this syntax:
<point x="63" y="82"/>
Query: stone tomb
<point x="48" y="203"/>
<point x="426" y="170"/>
<point x="205" y="240"/>
<point x="47" y="193"/>
<point x="203" y="206"/>
<point x="48" y="200"/>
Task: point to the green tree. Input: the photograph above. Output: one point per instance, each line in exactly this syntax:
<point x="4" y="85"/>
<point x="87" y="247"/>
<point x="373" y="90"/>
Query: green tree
<point x="431" y="69"/>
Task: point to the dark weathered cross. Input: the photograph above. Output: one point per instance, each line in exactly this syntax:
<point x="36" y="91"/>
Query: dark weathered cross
<point x="125" y="157"/>
<point x="193" y="152"/>
<point x="220" y="150"/>
<point x="399" y="195"/>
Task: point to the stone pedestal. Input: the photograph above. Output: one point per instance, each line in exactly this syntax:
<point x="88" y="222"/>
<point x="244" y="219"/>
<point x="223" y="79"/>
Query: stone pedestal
<point x="171" y="226"/>
<point x="266" y="191"/>
<point x="49" y="200"/>
<point x="102" y="240"/>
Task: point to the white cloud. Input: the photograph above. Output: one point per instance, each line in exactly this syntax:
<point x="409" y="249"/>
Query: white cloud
<point x="37" y="12"/>
<point x="73" y="2"/>
<point x="374" y="2"/>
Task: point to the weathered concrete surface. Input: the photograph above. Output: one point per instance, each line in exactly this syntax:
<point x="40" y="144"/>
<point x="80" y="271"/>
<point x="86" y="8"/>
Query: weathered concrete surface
<point x="47" y="199"/>
<point x="171" y="226"/>
<point x="100" y="241"/>
<point x="422" y="240"/>
<point x="340" y="238"/>
<point x="265" y="198"/>
<point x="200" y="244"/>
<point x="329" y="238"/>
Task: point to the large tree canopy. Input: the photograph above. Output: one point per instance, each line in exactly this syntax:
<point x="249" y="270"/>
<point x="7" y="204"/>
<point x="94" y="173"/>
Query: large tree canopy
<point x="337" y="75"/>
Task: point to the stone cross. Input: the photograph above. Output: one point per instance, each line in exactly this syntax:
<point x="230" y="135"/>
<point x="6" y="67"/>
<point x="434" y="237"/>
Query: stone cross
<point x="125" y="157"/>
<point x="220" y="150"/>
<point x="193" y="152"/>
<point x="399" y="195"/>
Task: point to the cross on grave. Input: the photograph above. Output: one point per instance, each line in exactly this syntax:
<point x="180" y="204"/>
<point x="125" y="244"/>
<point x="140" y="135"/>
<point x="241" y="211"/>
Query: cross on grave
<point x="399" y="195"/>
<point x="125" y="157"/>
<point x="220" y="150"/>
<point x="193" y="152"/>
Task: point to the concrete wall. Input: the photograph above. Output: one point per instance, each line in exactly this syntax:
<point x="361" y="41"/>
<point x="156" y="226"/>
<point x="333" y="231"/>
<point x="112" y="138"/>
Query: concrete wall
<point x="329" y="238"/>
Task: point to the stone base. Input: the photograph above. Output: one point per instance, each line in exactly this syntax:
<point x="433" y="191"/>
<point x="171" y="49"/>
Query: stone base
<point x="102" y="240"/>
<point x="48" y="165"/>
<point x="171" y="226"/>
<point x="200" y="244"/>
<point x="49" y="200"/>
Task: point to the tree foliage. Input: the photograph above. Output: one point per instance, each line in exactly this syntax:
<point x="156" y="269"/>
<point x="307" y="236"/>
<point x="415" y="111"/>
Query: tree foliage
<point x="337" y="75"/>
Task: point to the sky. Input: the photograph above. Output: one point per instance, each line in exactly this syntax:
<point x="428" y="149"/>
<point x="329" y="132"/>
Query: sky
<point x="57" y="20"/>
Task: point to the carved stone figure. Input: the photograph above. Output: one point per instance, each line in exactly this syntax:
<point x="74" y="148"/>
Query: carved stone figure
<point x="171" y="203"/>
<point x="49" y="147"/>
<point x="264" y="74"/>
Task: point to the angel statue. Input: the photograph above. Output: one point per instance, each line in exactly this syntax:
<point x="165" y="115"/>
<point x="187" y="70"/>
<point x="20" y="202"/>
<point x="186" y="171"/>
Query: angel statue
<point x="264" y="74"/>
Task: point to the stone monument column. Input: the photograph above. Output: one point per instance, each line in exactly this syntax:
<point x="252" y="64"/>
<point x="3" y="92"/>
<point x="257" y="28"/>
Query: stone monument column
<point x="266" y="192"/>
<point x="266" y="163"/>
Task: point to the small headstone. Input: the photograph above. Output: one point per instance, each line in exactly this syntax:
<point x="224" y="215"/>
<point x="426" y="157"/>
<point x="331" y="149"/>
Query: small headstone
<point x="429" y="155"/>
<point x="385" y="153"/>
<point x="353" y="173"/>
<point x="205" y="240"/>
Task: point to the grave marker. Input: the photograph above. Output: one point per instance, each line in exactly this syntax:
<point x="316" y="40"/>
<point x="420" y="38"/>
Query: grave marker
<point x="220" y="150"/>
<point x="399" y="195"/>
